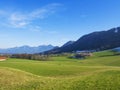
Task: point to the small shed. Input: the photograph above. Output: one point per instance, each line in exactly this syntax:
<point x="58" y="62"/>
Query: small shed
<point x="2" y="58"/>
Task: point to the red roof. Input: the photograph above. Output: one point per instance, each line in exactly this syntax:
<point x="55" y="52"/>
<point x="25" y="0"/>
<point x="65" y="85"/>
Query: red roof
<point x="2" y="57"/>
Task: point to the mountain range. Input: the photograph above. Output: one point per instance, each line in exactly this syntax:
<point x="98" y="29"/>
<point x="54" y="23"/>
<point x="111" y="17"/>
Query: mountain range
<point x="100" y="40"/>
<point x="26" y="49"/>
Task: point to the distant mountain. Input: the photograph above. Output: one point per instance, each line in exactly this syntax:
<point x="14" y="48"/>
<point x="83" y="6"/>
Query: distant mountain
<point x="101" y="40"/>
<point x="26" y="49"/>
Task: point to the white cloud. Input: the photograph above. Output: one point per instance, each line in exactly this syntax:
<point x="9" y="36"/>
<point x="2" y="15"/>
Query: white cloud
<point x="35" y="28"/>
<point x="17" y="17"/>
<point x="45" y="11"/>
<point x="21" y="19"/>
<point x="18" y="20"/>
<point x="20" y="24"/>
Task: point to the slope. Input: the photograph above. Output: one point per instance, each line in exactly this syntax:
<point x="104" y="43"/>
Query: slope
<point x="101" y="40"/>
<point x="99" y="72"/>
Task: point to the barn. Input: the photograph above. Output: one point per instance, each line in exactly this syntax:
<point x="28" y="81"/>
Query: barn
<point x="2" y="58"/>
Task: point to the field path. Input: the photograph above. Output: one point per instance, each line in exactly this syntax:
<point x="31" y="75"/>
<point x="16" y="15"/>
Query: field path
<point x="2" y="59"/>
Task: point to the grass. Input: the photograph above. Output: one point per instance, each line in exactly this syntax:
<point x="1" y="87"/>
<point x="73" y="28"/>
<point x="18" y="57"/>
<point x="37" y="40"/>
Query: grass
<point x="99" y="72"/>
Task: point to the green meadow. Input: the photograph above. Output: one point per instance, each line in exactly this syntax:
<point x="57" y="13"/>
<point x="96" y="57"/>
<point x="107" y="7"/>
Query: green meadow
<point x="98" y="72"/>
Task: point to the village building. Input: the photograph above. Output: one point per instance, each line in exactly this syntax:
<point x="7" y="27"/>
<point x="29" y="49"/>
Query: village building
<point x="82" y="54"/>
<point x="2" y="58"/>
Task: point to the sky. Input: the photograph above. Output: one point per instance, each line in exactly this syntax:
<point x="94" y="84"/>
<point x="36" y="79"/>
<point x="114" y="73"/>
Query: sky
<point x="44" y="22"/>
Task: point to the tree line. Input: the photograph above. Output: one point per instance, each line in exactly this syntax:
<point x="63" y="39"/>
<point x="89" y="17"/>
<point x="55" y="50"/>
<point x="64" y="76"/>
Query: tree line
<point x="31" y="56"/>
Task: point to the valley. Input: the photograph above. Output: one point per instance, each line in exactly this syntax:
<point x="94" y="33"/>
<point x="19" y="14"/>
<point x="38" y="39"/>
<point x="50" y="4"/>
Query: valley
<point x="99" y="72"/>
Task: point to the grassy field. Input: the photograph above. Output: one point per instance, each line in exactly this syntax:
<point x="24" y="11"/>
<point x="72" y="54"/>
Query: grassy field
<point x="99" y="72"/>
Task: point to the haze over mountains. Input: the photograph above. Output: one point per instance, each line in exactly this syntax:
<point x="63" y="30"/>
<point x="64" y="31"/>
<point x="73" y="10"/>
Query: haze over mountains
<point x="26" y="49"/>
<point x="101" y="40"/>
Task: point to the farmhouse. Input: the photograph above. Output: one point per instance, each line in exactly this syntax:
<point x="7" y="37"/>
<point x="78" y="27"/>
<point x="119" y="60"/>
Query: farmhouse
<point x="81" y="54"/>
<point x="2" y="58"/>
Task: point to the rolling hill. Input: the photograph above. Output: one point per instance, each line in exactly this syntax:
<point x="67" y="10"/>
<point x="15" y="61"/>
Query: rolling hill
<point x="99" y="72"/>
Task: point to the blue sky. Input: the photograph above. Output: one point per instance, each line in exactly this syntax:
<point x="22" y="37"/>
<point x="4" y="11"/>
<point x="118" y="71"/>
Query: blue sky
<point x="38" y="22"/>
